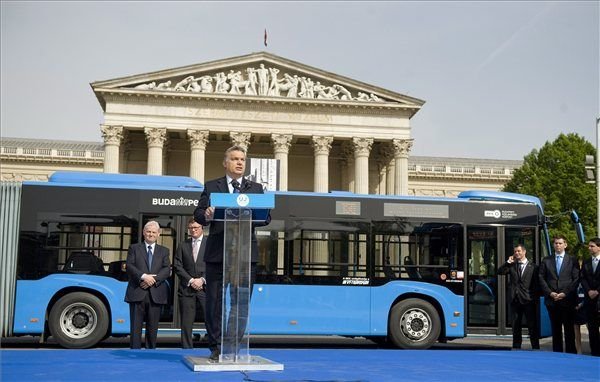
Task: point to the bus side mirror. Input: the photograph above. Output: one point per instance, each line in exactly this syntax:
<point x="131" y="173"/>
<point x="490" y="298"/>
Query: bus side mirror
<point x="578" y="227"/>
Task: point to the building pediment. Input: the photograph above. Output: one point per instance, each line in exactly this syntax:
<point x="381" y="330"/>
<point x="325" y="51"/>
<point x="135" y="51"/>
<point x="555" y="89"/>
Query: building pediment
<point x="259" y="75"/>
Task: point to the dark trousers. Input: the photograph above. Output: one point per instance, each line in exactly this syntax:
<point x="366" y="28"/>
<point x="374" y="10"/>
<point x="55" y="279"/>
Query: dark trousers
<point x="529" y="311"/>
<point x="593" y="324"/>
<point x="188" y="305"/>
<point x="140" y="312"/>
<point x="562" y="317"/>
<point x="214" y="303"/>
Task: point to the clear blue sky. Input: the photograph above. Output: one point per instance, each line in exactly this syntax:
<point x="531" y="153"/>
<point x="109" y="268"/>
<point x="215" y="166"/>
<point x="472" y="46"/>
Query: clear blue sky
<point x="499" y="78"/>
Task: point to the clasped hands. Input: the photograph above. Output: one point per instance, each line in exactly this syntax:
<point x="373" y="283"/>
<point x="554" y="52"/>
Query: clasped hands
<point x="147" y="281"/>
<point x="197" y="284"/>
<point x="557" y="296"/>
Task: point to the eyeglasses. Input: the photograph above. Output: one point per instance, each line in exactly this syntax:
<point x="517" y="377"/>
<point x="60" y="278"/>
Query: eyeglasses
<point x="194" y="227"/>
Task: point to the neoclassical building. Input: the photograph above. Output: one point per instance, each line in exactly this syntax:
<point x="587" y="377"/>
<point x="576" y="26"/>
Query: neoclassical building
<point x="328" y="132"/>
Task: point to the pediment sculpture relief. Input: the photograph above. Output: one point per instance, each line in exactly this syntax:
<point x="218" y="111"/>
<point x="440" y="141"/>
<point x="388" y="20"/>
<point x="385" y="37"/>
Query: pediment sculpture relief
<point x="261" y="81"/>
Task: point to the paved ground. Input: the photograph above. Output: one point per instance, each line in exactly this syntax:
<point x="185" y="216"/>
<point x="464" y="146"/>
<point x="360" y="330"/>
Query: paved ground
<point x="169" y="340"/>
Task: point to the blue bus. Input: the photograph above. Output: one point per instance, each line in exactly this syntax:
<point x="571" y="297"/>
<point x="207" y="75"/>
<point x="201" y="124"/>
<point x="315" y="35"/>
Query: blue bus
<point x="405" y="270"/>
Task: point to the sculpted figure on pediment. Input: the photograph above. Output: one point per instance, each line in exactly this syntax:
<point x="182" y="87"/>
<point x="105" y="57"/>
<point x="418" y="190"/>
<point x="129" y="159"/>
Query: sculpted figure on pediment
<point x="252" y="81"/>
<point x="164" y="86"/>
<point x="221" y="85"/>
<point x="263" y="80"/>
<point x="149" y="86"/>
<point x="306" y="88"/>
<point x="363" y="97"/>
<point x="291" y="85"/>
<point x="236" y="82"/>
<point x="274" y="85"/>
<point x="375" y="98"/>
<point x="182" y="85"/>
<point x="345" y="94"/>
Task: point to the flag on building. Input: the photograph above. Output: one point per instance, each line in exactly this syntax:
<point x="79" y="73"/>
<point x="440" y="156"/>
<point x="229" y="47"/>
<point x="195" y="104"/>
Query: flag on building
<point x="265" y="37"/>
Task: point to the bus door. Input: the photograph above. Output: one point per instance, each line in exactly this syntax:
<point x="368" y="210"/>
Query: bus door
<point x="173" y="231"/>
<point x="482" y="281"/>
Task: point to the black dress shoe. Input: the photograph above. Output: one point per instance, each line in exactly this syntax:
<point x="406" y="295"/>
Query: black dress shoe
<point x="214" y="355"/>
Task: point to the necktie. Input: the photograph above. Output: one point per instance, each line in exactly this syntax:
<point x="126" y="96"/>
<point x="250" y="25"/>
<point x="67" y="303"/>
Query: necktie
<point x="149" y="256"/>
<point x="594" y="264"/>
<point x="195" y="247"/>
<point x="521" y="268"/>
<point x="236" y="186"/>
<point x="559" y="260"/>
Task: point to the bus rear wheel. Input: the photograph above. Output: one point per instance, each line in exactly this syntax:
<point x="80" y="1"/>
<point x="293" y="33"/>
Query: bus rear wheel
<point x="78" y="320"/>
<point x="414" y="324"/>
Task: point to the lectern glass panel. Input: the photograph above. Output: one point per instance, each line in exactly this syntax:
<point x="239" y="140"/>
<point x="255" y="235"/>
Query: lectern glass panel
<point x="236" y="285"/>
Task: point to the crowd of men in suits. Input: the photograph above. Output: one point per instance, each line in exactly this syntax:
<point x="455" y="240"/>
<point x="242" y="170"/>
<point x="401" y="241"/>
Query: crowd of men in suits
<point x="557" y="279"/>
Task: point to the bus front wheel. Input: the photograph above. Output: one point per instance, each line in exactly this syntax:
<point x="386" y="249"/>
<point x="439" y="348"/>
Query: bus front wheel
<point x="78" y="320"/>
<point x="414" y="324"/>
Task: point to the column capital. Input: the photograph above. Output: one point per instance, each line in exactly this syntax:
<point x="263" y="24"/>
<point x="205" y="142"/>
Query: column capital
<point x="322" y="144"/>
<point x="362" y="146"/>
<point x="281" y="142"/>
<point x="112" y="135"/>
<point x="240" y="139"/>
<point x="198" y="138"/>
<point x="155" y="136"/>
<point x="402" y="147"/>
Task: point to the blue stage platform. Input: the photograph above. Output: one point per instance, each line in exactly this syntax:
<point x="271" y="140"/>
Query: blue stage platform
<point x="348" y="365"/>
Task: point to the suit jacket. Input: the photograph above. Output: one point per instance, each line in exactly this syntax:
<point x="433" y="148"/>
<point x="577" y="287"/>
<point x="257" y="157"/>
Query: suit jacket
<point x="214" y="243"/>
<point x="524" y="287"/>
<point x="137" y="265"/>
<point x="590" y="280"/>
<point x="566" y="282"/>
<point x="186" y="268"/>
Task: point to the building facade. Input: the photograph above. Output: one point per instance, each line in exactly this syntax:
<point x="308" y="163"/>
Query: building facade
<point x="328" y="132"/>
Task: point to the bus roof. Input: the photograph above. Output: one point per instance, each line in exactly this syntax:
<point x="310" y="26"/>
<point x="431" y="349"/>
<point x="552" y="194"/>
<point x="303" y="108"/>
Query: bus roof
<point x="492" y="196"/>
<point x="129" y="181"/>
<point x="497" y="196"/>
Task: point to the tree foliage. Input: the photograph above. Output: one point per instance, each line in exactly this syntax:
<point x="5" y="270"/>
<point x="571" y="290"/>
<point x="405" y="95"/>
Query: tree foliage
<point x="556" y="174"/>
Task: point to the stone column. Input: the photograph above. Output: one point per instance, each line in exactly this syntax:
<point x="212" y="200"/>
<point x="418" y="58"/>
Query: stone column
<point x="401" y="149"/>
<point x="322" y="146"/>
<point x="362" y="148"/>
<point x="156" y="138"/>
<point x="240" y="139"/>
<point x="112" y="135"/>
<point x="198" y="140"/>
<point x="281" y="149"/>
<point x="389" y="166"/>
<point x="348" y="154"/>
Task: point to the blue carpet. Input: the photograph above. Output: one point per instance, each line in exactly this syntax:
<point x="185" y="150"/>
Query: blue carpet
<point x="309" y="365"/>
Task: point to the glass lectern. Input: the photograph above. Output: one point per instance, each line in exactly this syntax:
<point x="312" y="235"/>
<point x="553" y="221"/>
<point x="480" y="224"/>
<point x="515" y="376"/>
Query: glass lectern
<point x="238" y="213"/>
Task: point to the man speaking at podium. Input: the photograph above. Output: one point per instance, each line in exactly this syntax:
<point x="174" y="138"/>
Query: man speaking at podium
<point x="234" y="163"/>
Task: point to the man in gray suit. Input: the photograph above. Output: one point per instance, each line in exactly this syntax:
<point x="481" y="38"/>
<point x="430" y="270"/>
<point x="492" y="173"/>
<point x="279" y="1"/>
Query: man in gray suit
<point x="190" y="269"/>
<point x="148" y="268"/>
<point x="524" y="295"/>
<point x="559" y="278"/>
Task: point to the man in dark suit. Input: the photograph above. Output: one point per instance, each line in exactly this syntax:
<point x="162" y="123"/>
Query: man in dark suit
<point x="524" y="295"/>
<point x="590" y="281"/>
<point x="148" y="268"/>
<point x="559" y="278"/>
<point x="190" y="269"/>
<point x="234" y="163"/>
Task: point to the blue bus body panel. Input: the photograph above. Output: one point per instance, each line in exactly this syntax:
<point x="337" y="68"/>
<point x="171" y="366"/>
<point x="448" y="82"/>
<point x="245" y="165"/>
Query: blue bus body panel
<point x="33" y="297"/>
<point x="309" y="309"/>
<point x="342" y="310"/>
<point x="384" y="296"/>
